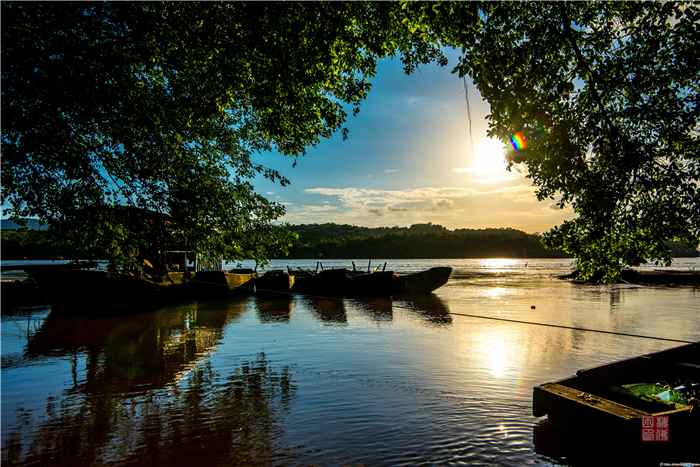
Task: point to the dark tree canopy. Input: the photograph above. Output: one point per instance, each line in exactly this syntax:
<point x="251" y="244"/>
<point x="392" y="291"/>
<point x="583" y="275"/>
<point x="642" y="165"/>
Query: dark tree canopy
<point x="606" y="95"/>
<point x="160" y="106"/>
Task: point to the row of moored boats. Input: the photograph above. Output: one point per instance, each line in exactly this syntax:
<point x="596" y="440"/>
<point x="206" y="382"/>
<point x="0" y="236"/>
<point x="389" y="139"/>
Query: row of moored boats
<point x="343" y="281"/>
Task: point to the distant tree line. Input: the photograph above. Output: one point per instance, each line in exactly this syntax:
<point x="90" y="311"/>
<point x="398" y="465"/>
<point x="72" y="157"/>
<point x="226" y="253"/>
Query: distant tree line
<point x="343" y="241"/>
<point x="334" y="241"/>
<point x="26" y="243"/>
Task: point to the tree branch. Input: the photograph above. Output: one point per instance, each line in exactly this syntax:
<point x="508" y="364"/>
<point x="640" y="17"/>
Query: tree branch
<point x="582" y="62"/>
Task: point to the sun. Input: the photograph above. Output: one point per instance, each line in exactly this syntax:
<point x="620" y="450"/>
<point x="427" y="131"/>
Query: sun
<point x="490" y="157"/>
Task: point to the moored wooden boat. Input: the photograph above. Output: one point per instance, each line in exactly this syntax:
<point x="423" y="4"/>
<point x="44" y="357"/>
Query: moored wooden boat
<point x="79" y="291"/>
<point x="423" y="282"/>
<point x="328" y="282"/>
<point x="214" y="284"/>
<point x="605" y="398"/>
<point x="661" y="276"/>
<point x="276" y="281"/>
<point x="369" y="283"/>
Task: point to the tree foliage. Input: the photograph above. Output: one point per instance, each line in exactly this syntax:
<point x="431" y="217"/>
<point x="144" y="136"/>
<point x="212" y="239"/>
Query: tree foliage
<point x="163" y="106"/>
<point x="606" y="96"/>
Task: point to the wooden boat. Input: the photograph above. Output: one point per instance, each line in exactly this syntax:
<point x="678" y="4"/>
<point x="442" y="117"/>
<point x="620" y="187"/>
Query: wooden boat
<point x="656" y="276"/>
<point x="78" y="291"/>
<point x="216" y="284"/>
<point x="275" y="281"/>
<point x="421" y="282"/>
<point x="661" y="276"/>
<point x="369" y="283"/>
<point x="328" y="282"/>
<point x="604" y="400"/>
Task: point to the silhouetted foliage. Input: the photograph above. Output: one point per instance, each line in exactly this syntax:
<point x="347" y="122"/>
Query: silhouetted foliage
<point x="605" y="95"/>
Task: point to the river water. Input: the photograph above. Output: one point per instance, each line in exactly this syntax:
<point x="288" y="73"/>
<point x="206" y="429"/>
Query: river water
<point x="301" y="381"/>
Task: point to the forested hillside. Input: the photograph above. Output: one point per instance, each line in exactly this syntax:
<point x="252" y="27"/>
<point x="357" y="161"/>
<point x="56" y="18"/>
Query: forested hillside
<point x="417" y="241"/>
<point x="342" y="241"/>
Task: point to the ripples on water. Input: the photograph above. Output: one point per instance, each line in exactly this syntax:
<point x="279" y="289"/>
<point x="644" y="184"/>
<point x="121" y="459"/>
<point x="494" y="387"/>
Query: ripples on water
<point x="295" y="380"/>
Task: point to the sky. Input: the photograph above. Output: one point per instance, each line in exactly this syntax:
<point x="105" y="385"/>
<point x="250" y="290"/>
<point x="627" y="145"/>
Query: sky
<point x="408" y="160"/>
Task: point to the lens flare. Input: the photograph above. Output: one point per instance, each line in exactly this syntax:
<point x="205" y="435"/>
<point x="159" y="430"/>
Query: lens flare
<point x="517" y="141"/>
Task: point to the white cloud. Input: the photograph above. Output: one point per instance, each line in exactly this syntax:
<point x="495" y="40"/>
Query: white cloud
<point x="443" y="203"/>
<point x="454" y="207"/>
<point x="388" y="171"/>
<point x="320" y="208"/>
<point x="360" y="199"/>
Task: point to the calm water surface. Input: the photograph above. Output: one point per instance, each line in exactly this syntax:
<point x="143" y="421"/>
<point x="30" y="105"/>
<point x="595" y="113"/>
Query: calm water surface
<point x="297" y="380"/>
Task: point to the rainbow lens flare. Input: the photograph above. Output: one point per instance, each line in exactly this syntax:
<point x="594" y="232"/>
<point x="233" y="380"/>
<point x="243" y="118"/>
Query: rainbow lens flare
<point x="517" y="141"/>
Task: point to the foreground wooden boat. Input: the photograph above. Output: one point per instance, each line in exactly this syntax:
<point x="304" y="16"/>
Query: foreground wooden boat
<point x="604" y="400"/>
<point x="421" y="282"/>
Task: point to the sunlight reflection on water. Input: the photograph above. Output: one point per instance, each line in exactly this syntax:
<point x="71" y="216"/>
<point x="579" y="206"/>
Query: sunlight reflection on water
<point x="295" y="380"/>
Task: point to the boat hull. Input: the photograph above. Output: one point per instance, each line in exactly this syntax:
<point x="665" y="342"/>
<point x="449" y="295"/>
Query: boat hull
<point x="329" y="282"/>
<point x="421" y="282"/>
<point x="79" y="291"/>
<point x="274" y="282"/>
<point x="595" y="397"/>
<point x="371" y="283"/>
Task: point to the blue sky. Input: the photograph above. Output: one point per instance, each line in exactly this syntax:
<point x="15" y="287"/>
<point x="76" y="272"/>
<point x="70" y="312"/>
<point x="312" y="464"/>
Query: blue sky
<point x="408" y="160"/>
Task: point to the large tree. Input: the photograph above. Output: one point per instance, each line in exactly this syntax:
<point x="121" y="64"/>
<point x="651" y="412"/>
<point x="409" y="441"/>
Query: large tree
<point x="606" y="96"/>
<point x="161" y="106"/>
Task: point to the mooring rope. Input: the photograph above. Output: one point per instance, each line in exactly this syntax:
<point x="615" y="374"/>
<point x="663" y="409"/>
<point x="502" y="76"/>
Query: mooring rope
<point x="574" y="328"/>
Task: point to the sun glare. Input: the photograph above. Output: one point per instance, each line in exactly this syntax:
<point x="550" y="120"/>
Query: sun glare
<point x="489" y="157"/>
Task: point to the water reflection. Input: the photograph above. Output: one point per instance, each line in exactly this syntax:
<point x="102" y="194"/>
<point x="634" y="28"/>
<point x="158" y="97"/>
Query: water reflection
<point x="274" y="308"/>
<point x="327" y="310"/>
<point x="148" y="350"/>
<point x="504" y="263"/>
<point x="206" y="419"/>
<point x="377" y="309"/>
<point x="430" y="307"/>
<point x="143" y="391"/>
